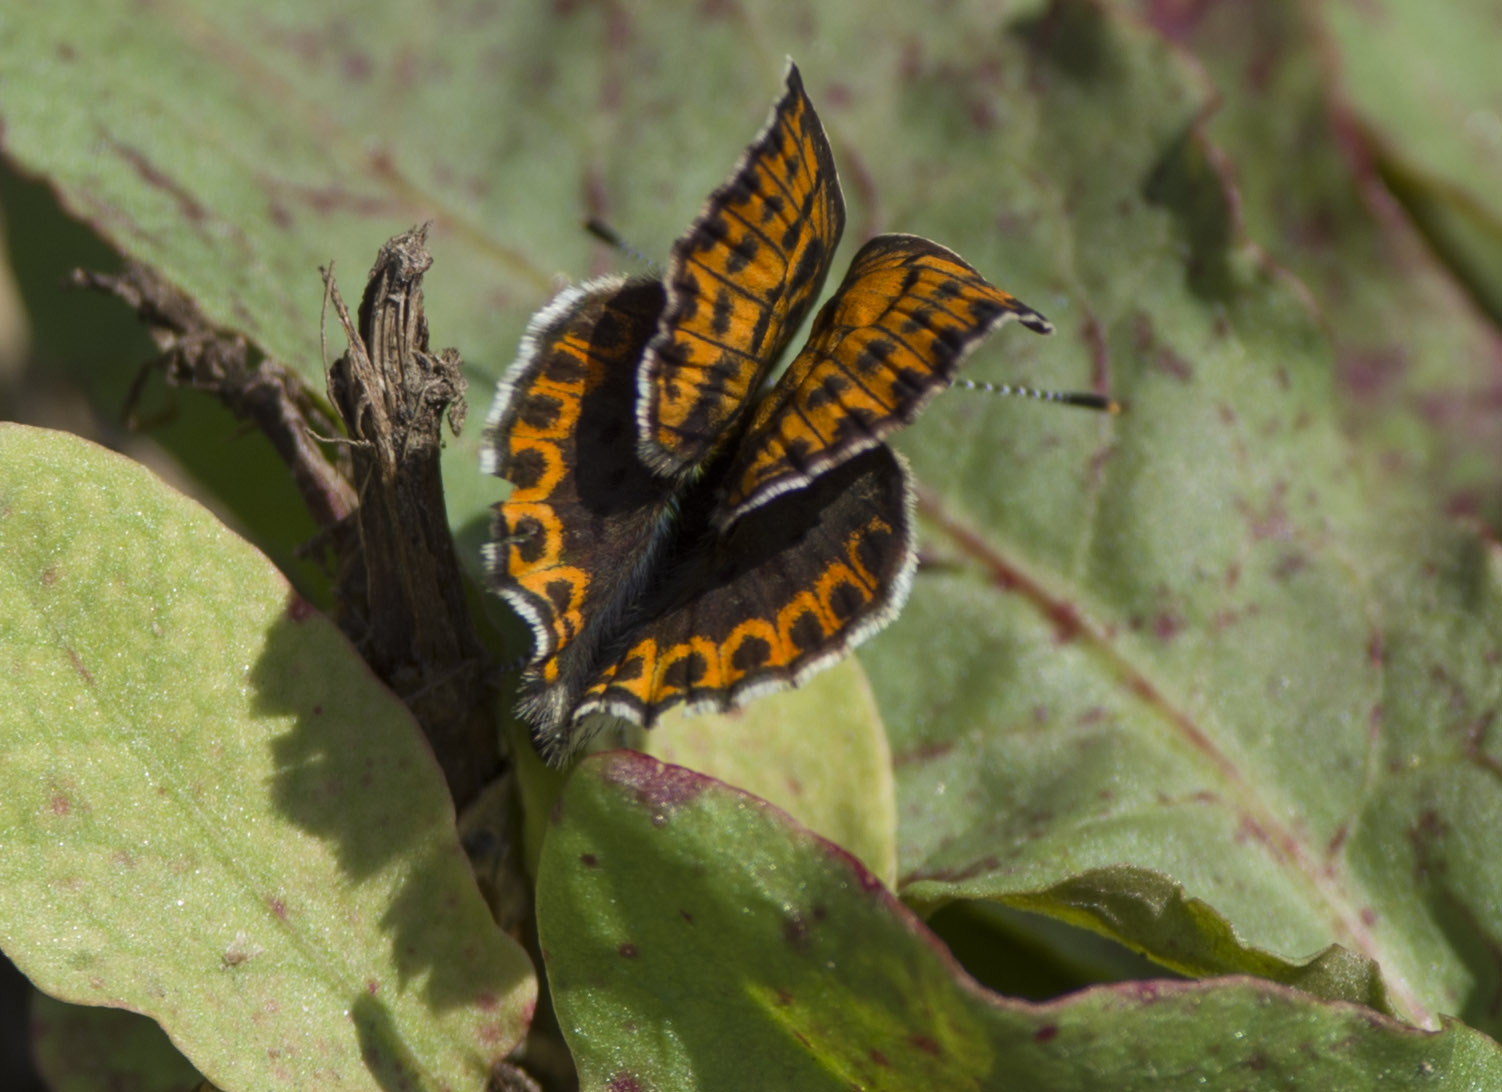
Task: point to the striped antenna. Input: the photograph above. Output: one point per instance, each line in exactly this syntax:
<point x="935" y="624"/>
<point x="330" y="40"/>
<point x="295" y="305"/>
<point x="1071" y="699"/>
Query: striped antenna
<point x="608" y="235"/>
<point x="1084" y="399"/>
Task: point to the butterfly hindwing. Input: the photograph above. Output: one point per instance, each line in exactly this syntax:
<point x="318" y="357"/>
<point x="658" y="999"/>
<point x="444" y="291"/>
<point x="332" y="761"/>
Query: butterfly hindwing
<point x="788" y="590"/>
<point x="561" y="433"/>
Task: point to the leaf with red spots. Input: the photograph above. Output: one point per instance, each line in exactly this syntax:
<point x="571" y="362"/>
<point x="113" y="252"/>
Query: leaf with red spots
<point x="837" y="781"/>
<point x="1198" y="639"/>
<point x="1319" y="122"/>
<point x="787" y="965"/>
<point x="214" y="814"/>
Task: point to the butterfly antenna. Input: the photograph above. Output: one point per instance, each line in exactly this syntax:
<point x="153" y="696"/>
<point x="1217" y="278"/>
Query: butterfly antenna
<point x="608" y="235"/>
<point x="1084" y="399"/>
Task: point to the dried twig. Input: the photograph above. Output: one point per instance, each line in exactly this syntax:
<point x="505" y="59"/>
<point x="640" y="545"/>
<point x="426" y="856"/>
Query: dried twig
<point x="402" y="598"/>
<point x="196" y="354"/>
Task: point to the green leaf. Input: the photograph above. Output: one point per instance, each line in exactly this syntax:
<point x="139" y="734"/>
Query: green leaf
<point x="1415" y="360"/>
<point x="1218" y="640"/>
<point x="212" y="813"/>
<point x="1427" y="92"/>
<point x="1189" y="639"/>
<point x="788" y="965"/>
<point x="1146" y="911"/>
<point x="836" y="781"/>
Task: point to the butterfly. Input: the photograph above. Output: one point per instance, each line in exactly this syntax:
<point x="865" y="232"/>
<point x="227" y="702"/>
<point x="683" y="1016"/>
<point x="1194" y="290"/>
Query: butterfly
<point x="677" y="535"/>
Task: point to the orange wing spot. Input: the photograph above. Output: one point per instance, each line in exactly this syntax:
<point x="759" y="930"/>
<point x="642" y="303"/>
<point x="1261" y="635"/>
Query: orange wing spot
<point x="753" y="645"/>
<point x="527" y="554"/>
<point x="549" y="411"/>
<point x="562" y="377"/>
<point x="559" y="427"/>
<point x="658" y="688"/>
<point x="832" y="581"/>
<point x="545" y="583"/>
<point x="695" y="663"/>
<point x="639" y="684"/>
<point x="792" y="626"/>
<point x="853" y="544"/>
<point x="548" y="469"/>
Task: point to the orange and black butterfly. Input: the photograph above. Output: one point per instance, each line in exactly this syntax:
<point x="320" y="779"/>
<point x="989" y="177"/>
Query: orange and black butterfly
<point x="675" y="534"/>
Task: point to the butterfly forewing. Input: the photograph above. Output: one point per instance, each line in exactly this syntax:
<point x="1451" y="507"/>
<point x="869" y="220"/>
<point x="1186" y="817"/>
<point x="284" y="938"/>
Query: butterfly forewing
<point x="906" y="316"/>
<point x="739" y="283"/>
